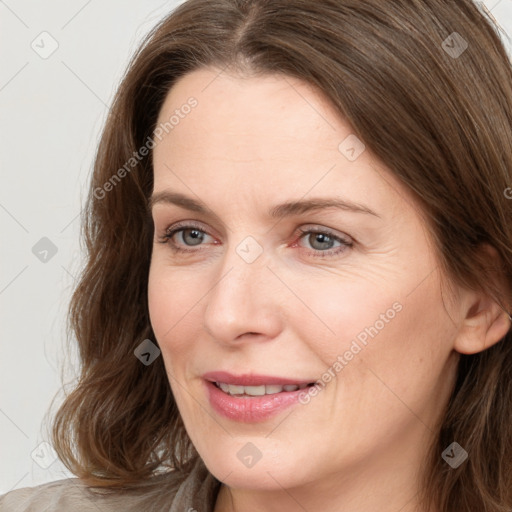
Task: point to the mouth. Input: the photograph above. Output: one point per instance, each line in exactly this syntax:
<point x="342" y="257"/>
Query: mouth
<point x="252" y="398"/>
<point x="262" y="390"/>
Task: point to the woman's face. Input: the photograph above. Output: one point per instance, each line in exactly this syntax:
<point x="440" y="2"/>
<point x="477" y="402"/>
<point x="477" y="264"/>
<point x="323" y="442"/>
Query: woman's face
<point x="348" y="297"/>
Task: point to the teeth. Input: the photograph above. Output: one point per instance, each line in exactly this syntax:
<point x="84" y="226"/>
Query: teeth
<point x="254" y="390"/>
<point x="268" y="389"/>
<point x="223" y="386"/>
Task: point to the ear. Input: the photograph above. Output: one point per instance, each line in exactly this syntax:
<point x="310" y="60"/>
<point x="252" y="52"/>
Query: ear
<point x="484" y="321"/>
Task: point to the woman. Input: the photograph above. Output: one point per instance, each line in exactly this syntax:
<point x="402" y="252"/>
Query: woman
<point x="299" y="270"/>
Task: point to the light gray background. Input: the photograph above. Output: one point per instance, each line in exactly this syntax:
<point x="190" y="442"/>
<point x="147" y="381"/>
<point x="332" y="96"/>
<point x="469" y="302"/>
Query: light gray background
<point x="52" y="112"/>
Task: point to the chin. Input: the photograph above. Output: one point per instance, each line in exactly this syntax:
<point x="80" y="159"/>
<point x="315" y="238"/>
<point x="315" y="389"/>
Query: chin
<point x="257" y="464"/>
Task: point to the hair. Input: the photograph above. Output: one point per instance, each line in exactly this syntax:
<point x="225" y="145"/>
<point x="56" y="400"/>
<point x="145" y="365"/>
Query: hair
<point x="442" y="123"/>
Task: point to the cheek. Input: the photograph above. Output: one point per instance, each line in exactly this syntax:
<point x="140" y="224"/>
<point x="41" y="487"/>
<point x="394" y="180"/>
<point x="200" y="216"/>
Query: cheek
<point x="334" y="311"/>
<point x="173" y="307"/>
<point x="174" y="301"/>
<point x="406" y="356"/>
<point x="355" y="324"/>
<point x="170" y="296"/>
<point x="159" y="301"/>
<point x="164" y="311"/>
<point x="168" y="303"/>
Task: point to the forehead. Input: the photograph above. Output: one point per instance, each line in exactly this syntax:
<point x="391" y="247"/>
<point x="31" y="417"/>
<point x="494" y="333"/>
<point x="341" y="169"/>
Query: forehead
<point x="251" y="114"/>
<point x="273" y="134"/>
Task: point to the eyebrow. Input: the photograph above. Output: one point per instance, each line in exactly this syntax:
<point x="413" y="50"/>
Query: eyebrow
<point x="281" y="210"/>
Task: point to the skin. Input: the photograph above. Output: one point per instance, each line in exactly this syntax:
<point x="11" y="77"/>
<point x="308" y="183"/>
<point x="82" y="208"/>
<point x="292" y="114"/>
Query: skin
<point x="358" y="445"/>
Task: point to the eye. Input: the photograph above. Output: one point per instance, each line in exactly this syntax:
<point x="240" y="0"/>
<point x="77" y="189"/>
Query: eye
<point x="322" y="241"/>
<point x="189" y="235"/>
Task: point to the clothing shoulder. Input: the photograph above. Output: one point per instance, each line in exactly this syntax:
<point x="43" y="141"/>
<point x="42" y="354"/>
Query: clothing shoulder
<point x="72" y="494"/>
<point x="53" y="496"/>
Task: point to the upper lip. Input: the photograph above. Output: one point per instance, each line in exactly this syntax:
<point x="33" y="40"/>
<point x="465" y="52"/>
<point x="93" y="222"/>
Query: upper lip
<point x="251" y="379"/>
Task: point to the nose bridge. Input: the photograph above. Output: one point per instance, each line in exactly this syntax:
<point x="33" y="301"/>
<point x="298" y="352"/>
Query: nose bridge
<point x="242" y="299"/>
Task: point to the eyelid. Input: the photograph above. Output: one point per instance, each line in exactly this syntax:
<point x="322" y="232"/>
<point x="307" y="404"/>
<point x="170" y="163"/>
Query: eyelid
<point x="186" y="224"/>
<point x="328" y="231"/>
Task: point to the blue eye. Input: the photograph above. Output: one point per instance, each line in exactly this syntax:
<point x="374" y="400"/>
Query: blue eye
<point x="325" y="241"/>
<point x="192" y="235"/>
<point x="196" y="235"/>
<point x="189" y="233"/>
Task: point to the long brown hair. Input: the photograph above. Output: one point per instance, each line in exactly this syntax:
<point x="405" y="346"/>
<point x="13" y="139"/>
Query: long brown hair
<point x="437" y="113"/>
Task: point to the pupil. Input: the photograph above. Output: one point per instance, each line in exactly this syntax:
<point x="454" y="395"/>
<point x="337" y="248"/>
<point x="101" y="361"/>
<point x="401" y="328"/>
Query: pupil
<point x="323" y="239"/>
<point x="196" y="236"/>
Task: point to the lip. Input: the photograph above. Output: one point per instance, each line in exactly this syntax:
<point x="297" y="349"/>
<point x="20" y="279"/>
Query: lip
<point x="250" y="409"/>
<point x="251" y="379"/>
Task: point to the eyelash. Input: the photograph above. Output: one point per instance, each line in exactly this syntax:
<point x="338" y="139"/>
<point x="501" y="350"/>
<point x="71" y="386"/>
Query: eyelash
<point x="170" y="232"/>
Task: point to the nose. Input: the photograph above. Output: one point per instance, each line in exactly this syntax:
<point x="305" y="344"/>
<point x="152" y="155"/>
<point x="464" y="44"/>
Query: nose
<point x="243" y="304"/>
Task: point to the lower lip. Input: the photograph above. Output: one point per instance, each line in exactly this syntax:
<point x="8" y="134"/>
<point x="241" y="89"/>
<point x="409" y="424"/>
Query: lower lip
<point x="250" y="409"/>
